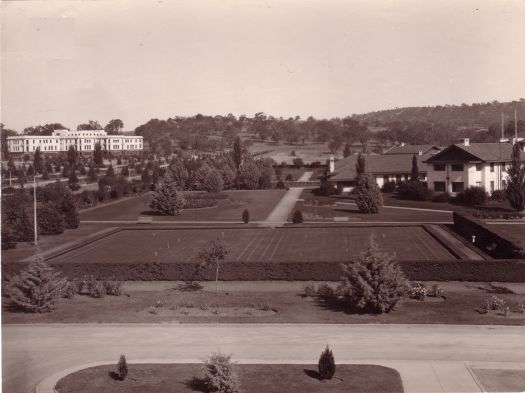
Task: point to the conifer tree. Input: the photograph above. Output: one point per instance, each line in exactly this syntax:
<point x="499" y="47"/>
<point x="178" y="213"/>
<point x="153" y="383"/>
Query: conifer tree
<point x="414" y="176"/>
<point x="122" y="368"/>
<point x="167" y="199"/>
<point x="326" y="364"/>
<point x="515" y="188"/>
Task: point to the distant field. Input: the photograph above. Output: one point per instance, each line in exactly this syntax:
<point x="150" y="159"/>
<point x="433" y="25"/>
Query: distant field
<point x="259" y="203"/>
<point x="257" y="244"/>
<point x="309" y="152"/>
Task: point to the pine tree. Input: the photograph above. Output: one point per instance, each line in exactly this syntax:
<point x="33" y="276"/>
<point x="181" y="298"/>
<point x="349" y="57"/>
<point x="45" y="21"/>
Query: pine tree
<point x="347" y="151"/>
<point x="110" y="172"/>
<point x="213" y="255"/>
<point x="167" y="199"/>
<point x="122" y="368"/>
<point x="326" y="364"/>
<point x="97" y="155"/>
<point x="72" y="157"/>
<point x="237" y="159"/>
<point x="369" y="198"/>
<point x="515" y="188"/>
<point x="415" y="170"/>
<point x="360" y="166"/>
<point x="73" y="180"/>
<point x="36" y="288"/>
<point x="92" y="175"/>
<point x="37" y="161"/>
<point x="372" y="282"/>
<point x="246" y="216"/>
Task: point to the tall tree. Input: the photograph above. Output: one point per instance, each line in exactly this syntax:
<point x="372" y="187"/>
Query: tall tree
<point x="360" y="166"/>
<point x="72" y="157"/>
<point x="90" y="125"/>
<point x="37" y="161"/>
<point x="347" y="151"/>
<point x="167" y="199"/>
<point x="415" y="170"/>
<point x="114" y="127"/>
<point x="237" y="158"/>
<point x="213" y="255"/>
<point x="97" y="155"/>
<point x="4" y="133"/>
<point x="515" y="188"/>
<point x="369" y="198"/>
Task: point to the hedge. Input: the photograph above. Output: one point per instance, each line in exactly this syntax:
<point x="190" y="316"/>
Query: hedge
<point x="508" y="270"/>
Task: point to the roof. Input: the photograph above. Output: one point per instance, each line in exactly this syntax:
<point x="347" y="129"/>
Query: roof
<point x="484" y="152"/>
<point x="411" y="149"/>
<point x="381" y="164"/>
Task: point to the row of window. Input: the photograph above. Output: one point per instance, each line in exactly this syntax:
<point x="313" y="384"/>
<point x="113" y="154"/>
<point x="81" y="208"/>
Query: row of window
<point x="459" y="167"/>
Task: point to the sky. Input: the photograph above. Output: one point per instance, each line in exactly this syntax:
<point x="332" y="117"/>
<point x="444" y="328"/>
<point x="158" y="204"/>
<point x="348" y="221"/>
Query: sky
<point x="74" y="61"/>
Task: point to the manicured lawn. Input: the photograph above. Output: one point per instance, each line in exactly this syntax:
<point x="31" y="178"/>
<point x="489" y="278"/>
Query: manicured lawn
<point x="309" y="152"/>
<point x="494" y="380"/>
<point x="514" y="230"/>
<point x="257" y="244"/>
<point x="254" y="378"/>
<point x="173" y="304"/>
<point x="259" y="202"/>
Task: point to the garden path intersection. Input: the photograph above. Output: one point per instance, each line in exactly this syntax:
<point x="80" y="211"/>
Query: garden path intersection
<point x="430" y="358"/>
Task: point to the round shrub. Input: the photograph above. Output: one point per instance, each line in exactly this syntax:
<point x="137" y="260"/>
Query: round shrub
<point x="473" y="196"/>
<point x="280" y="185"/>
<point x="50" y="221"/>
<point x="441" y="197"/>
<point x="389" y="186"/>
<point x="219" y="375"/>
<point x="414" y="190"/>
<point x="498" y="195"/>
<point x="369" y="197"/>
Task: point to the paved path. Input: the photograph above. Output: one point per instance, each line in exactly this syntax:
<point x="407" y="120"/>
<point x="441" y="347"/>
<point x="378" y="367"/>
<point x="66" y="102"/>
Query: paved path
<point x="429" y="357"/>
<point x="282" y="210"/>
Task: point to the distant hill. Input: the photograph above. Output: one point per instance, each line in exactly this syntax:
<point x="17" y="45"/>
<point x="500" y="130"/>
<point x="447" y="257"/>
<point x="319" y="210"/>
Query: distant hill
<point x="475" y="115"/>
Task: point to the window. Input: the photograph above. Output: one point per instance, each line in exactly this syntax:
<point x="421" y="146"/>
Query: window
<point x="457" y="186"/>
<point x="479" y="167"/>
<point x="457" y="167"/>
<point x="439" y="167"/>
<point x="439" y="186"/>
<point x="492" y="167"/>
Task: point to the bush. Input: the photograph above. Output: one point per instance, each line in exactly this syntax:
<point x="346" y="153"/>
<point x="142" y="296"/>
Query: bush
<point x="122" y="368"/>
<point x="325" y="292"/>
<point x="246" y="216"/>
<point x="326" y="364"/>
<point x="373" y="282"/>
<point x="435" y="291"/>
<point x="309" y="290"/>
<point x="498" y="196"/>
<point x="288" y="177"/>
<point x="280" y="185"/>
<point x="472" y="196"/>
<point x="298" y="162"/>
<point x="91" y="287"/>
<point x="219" y="375"/>
<point x="389" y="186"/>
<point x="112" y="287"/>
<point x="417" y="291"/>
<point x="36" y="288"/>
<point x="50" y="221"/>
<point x="414" y="191"/>
<point x="297" y="217"/>
<point x="369" y="198"/>
<point x="441" y="197"/>
<point x="492" y="304"/>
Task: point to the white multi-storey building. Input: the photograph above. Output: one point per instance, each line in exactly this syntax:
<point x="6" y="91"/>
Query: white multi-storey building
<point x="83" y="141"/>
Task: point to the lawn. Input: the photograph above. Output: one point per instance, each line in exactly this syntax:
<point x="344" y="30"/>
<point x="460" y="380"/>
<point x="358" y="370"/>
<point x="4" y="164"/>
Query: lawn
<point x="494" y="380"/>
<point x="289" y="244"/>
<point x="176" y="304"/>
<point x="254" y="378"/>
<point x="309" y="152"/>
<point x="259" y="202"/>
<point x="319" y="208"/>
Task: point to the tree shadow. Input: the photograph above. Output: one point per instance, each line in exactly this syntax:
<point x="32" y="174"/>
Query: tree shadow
<point x="312" y="374"/>
<point x="114" y="376"/>
<point x="197" y="385"/>
<point x="189" y="286"/>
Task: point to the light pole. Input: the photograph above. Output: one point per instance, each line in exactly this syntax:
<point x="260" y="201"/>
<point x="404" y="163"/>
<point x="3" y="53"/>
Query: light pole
<point x="34" y="210"/>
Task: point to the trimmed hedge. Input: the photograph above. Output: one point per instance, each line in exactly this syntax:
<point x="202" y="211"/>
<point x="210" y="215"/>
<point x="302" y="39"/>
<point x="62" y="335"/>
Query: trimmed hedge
<point x="508" y="270"/>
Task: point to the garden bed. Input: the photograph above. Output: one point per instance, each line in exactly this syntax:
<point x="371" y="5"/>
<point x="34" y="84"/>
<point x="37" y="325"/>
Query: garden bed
<point x="254" y="378"/>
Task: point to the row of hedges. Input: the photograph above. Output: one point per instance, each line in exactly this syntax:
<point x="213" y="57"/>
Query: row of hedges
<point x="511" y="270"/>
<point x="487" y="240"/>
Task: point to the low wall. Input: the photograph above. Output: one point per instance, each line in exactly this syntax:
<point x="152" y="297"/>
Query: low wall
<point x="509" y="270"/>
<point x="486" y="240"/>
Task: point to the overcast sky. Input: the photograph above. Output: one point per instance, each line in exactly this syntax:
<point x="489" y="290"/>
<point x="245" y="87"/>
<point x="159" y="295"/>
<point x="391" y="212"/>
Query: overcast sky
<point x="72" y="61"/>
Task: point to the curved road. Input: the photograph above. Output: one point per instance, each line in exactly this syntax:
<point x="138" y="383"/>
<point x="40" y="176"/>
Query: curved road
<point x="428" y="356"/>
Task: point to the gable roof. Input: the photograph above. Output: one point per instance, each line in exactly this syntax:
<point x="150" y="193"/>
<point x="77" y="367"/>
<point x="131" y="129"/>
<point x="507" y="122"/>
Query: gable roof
<point x="380" y="164"/>
<point x="485" y="152"/>
<point x="412" y="149"/>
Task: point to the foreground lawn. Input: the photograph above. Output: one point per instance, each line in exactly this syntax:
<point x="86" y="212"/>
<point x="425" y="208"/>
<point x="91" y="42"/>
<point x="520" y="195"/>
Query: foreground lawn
<point x="259" y="202"/>
<point x="254" y="378"/>
<point x="175" y="304"/>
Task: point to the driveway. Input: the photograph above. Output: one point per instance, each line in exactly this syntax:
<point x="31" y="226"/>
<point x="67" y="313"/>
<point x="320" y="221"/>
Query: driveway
<point x="429" y="357"/>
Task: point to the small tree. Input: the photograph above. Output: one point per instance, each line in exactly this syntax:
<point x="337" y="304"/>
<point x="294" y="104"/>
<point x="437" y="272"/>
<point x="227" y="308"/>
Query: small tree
<point x="213" y="255"/>
<point x="360" y="166"/>
<point x="122" y="368"/>
<point x="369" y="198"/>
<point x="326" y="364"/>
<point x="73" y="181"/>
<point x="36" y="288"/>
<point x="372" y="282"/>
<point x="50" y="221"/>
<point x="246" y="216"/>
<point x="415" y="170"/>
<point x="515" y="188"/>
<point x="237" y="158"/>
<point x="167" y="199"/>
<point x="219" y="375"/>
<point x="110" y="172"/>
<point x="72" y="157"/>
<point x="37" y="161"/>
<point x="347" y="151"/>
<point x="125" y="171"/>
<point x="297" y="217"/>
<point x="249" y="174"/>
<point x="97" y="155"/>
<point x="92" y="175"/>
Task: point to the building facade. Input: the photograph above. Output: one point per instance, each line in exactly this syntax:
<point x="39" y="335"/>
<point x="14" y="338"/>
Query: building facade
<point x="83" y="141"/>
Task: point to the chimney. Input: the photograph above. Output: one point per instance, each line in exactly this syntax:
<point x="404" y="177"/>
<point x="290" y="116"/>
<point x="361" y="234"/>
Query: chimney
<point x="466" y="142"/>
<point x="332" y="163"/>
<point x="420" y="153"/>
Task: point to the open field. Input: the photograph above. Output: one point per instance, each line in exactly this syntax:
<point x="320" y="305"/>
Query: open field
<point x="309" y="152"/>
<point x="245" y="303"/>
<point x="260" y="203"/>
<point x="254" y="378"/>
<point x="301" y="244"/>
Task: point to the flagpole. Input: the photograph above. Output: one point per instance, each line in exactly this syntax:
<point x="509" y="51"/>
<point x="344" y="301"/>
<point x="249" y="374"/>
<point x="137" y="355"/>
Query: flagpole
<point x="34" y="210"/>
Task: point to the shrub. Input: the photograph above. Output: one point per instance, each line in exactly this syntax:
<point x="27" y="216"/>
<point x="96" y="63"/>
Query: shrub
<point x="441" y="197"/>
<point x="372" y="282"/>
<point x="389" y="186"/>
<point x="298" y="162"/>
<point x="112" y="287"/>
<point x="36" y="288"/>
<point x="288" y="177"/>
<point x="414" y="190"/>
<point x="297" y="217"/>
<point x="326" y="364"/>
<point x="498" y="195"/>
<point x="369" y="198"/>
<point x="325" y="292"/>
<point x="91" y="287"/>
<point x="491" y="304"/>
<point x="435" y="291"/>
<point x="219" y="375"/>
<point x="309" y="290"/>
<point x="519" y="308"/>
<point x="122" y="368"/>
<point x="417" y="291"/>
<point x="246" y="216"/>
<point x="280" y="185"/>
<point x="50" y="221"/>
<point x="473" y="196"/>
